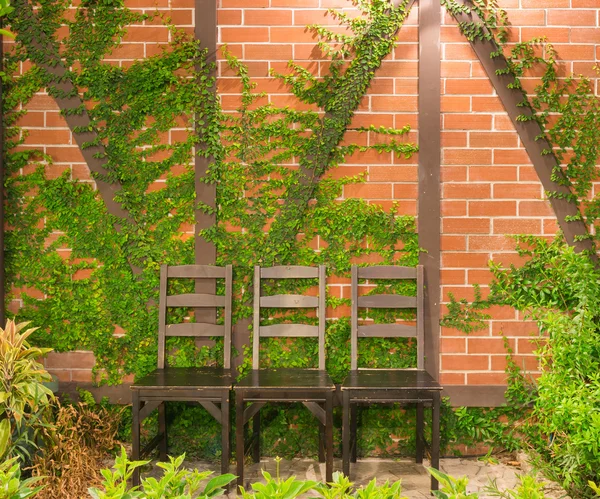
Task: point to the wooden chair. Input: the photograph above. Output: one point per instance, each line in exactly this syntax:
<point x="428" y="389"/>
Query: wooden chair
<point x="312" y="387"/>
<point x="370" y="386"/>
<point x="208" y="386"/>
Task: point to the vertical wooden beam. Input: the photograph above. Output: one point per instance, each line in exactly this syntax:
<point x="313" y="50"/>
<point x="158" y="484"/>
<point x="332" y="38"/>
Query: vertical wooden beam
<point x="429" y="214"/>
<point x="206" y="32"/>
<point x="205" y="252"/>
<point x="2" y="270"/>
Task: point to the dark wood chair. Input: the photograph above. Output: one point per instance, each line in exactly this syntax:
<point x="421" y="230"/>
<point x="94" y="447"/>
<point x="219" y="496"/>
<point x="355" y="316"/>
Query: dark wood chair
<point x="313" y="387"/>
<point x="208" y="386"/>
<point x="387" y="386"/>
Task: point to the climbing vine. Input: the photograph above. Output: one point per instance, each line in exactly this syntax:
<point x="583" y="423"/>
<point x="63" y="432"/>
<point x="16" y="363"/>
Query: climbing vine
<point x="69" y="246"/>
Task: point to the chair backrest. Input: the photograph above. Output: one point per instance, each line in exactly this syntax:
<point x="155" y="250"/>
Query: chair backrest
<point x="194" y="301"/>
<point x="289" y="301"/>
<point x="393" y="301"/>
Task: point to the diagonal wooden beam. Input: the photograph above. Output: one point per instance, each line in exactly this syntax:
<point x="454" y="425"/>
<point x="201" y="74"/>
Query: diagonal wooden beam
<point x="545" y="164"/>
<point x="44" y="53"/>
<point x="429" y="214"/>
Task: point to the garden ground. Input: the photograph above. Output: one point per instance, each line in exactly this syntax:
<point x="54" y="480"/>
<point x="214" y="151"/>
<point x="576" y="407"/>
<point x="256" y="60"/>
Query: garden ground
<point x="414" y="477"/>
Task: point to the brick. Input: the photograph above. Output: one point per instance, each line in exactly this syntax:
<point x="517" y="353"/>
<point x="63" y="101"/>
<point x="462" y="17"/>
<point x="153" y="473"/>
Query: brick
<point x="61" y="374"/>
<point x="517" y="191"/>
<point x="146" y="33"/>
<point x="584" y="35"/>
<point x="487" y="104"/>
<point x="229" y="17"/>
<point x="81" y="375"/>
<point x="464" y="260"/>
<point x="70" y="360"/>
<point x="455" y="104"/>
<point x="393" y="103"/>
<point x="459" y="52"/>
<point x="517" y="226"/>
<point x="368" y="191"/>
<point x="465" y="362"/>
<point x="460" y="86"/>
<point x="406" y="51"/>
<point x="393" y="174"/>
<point x="454" y="69"/>
<point x="483" y="277"/>
<point x="398" y="68"/>
<point x="406" y="86"/>
<point x="405" y="191"/>
<point x="529" y="346"/>
<point x="485" y="345"/>
<point x="468" y="157"/>
<point x="522" y="17"/>
<point x="258" y="34"/>
<point x="452" y="378"/>
<point x="295" y="3"/>
<point x="227" y="4"/>
<point x="453" y="243"/>
<point x="493" y="173"/>
<point x="535" y="209"/>
<point x="514" y="328"/>
<point x="452" y="277"/>
<point x="548" y="4"/>
<point x="569" y="17"/>
<point x="453" y="345"/>
<point x="454" y="139"/>
<point x="453" y="208"/>
<point x="42" y="102"/>
<point x="492" y="208"/>
<point x="574" y="52"/>
<point x="466" y="225"/>
<point x="490" y="243"/>
<point x="453" y="173"/>
<point x="467" y="121"/>
<point x="268" y="51"/>
<point x="493" y="139"/>
<point x="486" y="378"/>
<point x="314" y="16"/>
<point x="525" y="362"/>
<point x="558" y="35"/>
<point x="48" y="136"/>
<point x="466" y="191"/>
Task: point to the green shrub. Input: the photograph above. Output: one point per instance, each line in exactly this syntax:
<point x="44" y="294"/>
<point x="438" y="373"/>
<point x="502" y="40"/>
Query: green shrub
<point x="11" y="486"/>
<point x="24" y="400"/>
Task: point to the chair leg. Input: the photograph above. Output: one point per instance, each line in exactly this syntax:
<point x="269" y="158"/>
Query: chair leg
<point x="420" y="437"/>
<point x="239" y="437"/>
<point x="329" y="437"/>
<point x="321" y="443"/>
<point x="162" y="430"/>
<point x="135" y="435"/>
<point x="225" y="450"/>
<point x="435" y="438"/>
<point x="354" y="408"/>
<point x="256" y="437"/>
<point x="346" y="433"/>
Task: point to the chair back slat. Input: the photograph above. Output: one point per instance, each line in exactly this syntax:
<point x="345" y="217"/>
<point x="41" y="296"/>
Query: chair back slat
<point x="196" y="300"/>
<point x="387" y="272"/>
<point x="289" y="301"/>
<point x="200" y="301"/>
<point x="393" y="301"/>
<point x="387" y="331"/>
<point x="289" y="272"/>
<point x="387" y="301"/>
<point x="289" y="331"/>
<point x="195" y="329"/>
<point x="196" y="272"/>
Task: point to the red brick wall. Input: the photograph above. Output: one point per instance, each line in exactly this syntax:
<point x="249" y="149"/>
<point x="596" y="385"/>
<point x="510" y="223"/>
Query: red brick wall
<point x="489" y="187"/>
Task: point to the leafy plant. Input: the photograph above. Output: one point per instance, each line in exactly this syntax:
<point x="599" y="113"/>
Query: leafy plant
<point x="11" y="485"/>
<point x="23" y="397"/>
<point x="175" y="483"/>
<point x="451" y="487"/>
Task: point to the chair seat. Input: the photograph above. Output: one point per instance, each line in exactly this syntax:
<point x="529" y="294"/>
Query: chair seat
<point x="291" y="379"/>
<point x="185" y="378"/>
<point x="390" y="379"/>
